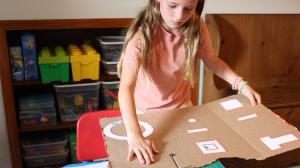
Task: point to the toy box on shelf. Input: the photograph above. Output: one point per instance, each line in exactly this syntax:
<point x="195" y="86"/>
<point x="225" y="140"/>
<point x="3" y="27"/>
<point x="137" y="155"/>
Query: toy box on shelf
<point x="75" y="99"/>
<point x="29" y="57"/>
<point x="109" y="94"/>
<point x="54" y="65"/>
<point x="16" y="61"/>
<point x="44" y="149"/>
<point x="84" y="61"/>
<point x="37" y="110"/>
<point x="110" y="48"/>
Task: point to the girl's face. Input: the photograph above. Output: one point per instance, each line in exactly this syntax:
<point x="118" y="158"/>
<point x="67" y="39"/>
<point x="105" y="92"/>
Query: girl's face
<point x="175" y="13"/>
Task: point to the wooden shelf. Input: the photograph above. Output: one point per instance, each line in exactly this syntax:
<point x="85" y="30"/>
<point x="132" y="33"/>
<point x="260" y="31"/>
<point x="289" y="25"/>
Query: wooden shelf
<point x="27" y="83"/>
<point x="47" y="31"/>
<point x="280" y="96"/>
<point x="59" y="125"/>
<point x="39" y="83"/>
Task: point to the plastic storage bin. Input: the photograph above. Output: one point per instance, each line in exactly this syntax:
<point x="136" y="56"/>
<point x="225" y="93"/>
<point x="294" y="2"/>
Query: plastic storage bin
<point x="110" y="94"/>
<point x="37" y="144"/>
<point x="110" y="47"/>
<point x="46" y="160"/>
<point x="37" y="117"/>
<point x="54" y="65"/>
<point x="37" y="110"/>
<point x="110" y="68"/>
<point x="85" y="62"/>
<point x="37" y="101"/>
<point x="75" y="99"/>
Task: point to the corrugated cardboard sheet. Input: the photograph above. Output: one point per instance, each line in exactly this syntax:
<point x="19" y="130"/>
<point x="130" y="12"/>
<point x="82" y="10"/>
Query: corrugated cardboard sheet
<point x="197" y="136"/>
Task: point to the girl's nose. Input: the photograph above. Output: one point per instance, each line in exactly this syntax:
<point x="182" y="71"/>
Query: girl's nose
<point x="179" y="15"/>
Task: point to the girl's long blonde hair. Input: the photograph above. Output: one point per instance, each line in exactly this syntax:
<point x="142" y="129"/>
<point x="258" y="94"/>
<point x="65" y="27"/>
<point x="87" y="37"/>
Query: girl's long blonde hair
<point x="146" y="23"/>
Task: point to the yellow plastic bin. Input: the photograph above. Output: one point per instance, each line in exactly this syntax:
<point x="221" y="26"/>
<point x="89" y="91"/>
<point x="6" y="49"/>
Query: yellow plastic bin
<point x="85" y="62"/>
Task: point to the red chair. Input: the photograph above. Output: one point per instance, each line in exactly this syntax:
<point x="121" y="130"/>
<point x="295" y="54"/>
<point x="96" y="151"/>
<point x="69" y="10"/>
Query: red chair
<point x="89" y="139"/>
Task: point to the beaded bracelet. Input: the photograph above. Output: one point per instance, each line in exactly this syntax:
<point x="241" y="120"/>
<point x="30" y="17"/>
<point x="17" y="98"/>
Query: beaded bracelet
<point x="241" y="86"/>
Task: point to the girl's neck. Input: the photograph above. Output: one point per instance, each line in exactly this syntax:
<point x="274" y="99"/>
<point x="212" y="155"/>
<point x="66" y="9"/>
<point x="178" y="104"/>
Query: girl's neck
<point x="170" y="30"/>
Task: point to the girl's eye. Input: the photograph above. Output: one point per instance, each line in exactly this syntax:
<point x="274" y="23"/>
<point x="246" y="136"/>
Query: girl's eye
<point x="188" y="9"/>
<point x="172" y="6"/>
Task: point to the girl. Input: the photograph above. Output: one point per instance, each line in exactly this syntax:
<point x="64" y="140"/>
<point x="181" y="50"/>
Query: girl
<point x="156" y="67"/>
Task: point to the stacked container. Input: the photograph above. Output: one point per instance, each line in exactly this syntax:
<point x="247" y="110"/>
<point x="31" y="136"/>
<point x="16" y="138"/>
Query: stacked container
<point x="37" y="110"/>
<point x="85" y="62"/>
<point x="110" y="47"/>
<point x="54" y="66"/>
<point x="44" y="149"/>
<point x="72" y="138"/>
<point x="75" y="99"/>
<point x="109" y="94"/>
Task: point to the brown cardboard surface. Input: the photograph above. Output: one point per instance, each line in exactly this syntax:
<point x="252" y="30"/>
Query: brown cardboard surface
<point x="239" y="138"/>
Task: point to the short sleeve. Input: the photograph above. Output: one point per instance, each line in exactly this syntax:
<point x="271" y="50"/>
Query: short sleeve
<point x="132" y="54"/>
<point x="205" y="48"/>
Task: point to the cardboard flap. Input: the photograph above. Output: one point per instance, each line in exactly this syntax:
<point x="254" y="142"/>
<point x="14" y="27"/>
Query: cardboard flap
<point x="254" y="123"/>
<point x="197" y="136"/>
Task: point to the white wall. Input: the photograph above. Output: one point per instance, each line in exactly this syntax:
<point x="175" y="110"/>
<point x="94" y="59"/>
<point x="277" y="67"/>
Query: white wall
<point x="5" y="155"/>
<point x="68" y="9"/>
<point x="75" y="9"/>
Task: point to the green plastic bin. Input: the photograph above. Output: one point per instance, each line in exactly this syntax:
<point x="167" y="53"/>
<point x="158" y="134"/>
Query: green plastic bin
<point x="72" y="138"/>
<point x="54" y="65"/>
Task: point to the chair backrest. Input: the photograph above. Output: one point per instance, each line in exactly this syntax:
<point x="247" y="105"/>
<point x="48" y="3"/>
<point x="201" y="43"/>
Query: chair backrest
<point x="89" y="139"/>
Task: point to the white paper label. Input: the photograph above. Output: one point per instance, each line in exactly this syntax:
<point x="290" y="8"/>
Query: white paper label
<point x="247" y="117"/>
<point x="274" y="143"/>
<point x="209" y="147"/>
<point x="231" y="104"/>
<point x="192" y="120"/>
<point x="198" y="130"/>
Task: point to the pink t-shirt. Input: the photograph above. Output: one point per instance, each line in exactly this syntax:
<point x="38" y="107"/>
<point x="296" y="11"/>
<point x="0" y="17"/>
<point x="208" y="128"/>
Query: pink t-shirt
<point x="167" y="89"/>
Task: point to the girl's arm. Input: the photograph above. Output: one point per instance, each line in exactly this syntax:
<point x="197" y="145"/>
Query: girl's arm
<point x="221" y="69"/>
<point x="138" y="145"/>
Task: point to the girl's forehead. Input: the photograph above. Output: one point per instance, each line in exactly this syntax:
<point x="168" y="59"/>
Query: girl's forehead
<point x="182" y="2"/>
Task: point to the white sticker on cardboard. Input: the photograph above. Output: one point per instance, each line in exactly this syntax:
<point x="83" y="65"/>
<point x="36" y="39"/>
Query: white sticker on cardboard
<point x="274" y="143"/>
<point x="231" y="104"/>
<point x="209" y="147"/>
<point x="107" y="130"/>
<point x="192" y="120"/>
<point x="247" y="117"/>
<point x="198" y="130"/>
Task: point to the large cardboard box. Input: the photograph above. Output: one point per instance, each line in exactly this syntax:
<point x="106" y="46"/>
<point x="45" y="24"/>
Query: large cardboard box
<point x="197" y="136"/>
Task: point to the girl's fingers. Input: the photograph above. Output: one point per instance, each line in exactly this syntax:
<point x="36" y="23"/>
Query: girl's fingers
<point x="155" y="150"/>
<point x="130" y="155"/>
<point x="253" y="100"/>
<point x="140" y="157"/>
<point x="150" y="152"/>
<point x="258" y="98"/>
<point x="145" y="156"/>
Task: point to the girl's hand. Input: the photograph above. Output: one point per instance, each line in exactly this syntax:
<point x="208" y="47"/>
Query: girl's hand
<point x="143" y="148"/>
<point x="252" y="95"/>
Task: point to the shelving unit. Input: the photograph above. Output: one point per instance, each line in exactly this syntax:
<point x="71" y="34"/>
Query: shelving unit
<point x="47" y="32"/>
